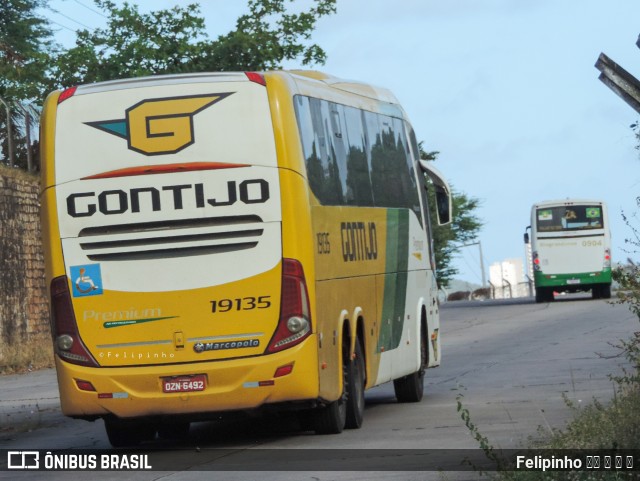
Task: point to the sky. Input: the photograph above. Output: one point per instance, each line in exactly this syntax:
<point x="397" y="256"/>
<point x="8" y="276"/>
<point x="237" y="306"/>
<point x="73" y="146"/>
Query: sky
<point x="505" y="90"/>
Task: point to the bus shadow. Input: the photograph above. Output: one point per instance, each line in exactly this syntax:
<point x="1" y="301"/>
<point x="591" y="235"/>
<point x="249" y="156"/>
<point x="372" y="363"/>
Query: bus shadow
<point x="576" y="297"/>
<point x="255" y="428"/>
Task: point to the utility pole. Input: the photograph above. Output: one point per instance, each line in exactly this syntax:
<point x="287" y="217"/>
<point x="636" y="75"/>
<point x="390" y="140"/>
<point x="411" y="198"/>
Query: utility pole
<point x="479" y="244"/>
<point x="9" y="133"/>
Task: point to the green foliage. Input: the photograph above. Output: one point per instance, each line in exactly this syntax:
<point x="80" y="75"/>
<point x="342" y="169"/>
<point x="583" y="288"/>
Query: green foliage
<point x="463" y="229"/>
<point x="132" y="44"/>
<point x="267" y="36"/>
<point x="25" y="49"/>
<point x="135" y="44"/>
<point x="25" y="46"/>
<point x="483" y="441"/>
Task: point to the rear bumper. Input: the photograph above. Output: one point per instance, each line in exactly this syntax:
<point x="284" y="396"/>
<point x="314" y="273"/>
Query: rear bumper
<point x="237" y="384"/>
<point x="573" y="281"/>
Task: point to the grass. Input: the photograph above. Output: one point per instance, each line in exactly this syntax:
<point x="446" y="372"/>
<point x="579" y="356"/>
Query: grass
<point x="594" y="426"/>
<point x="615" y="426"/>
<point x="598" y="426"/>
<point x="36" y="353"/>
<point x="18" y="173"/>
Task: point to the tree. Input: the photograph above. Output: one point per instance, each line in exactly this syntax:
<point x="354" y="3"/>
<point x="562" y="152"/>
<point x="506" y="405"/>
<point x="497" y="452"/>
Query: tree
<point x="25" y="49"/>
<point x="135" y="44"/>
<point x="448" y="239"/>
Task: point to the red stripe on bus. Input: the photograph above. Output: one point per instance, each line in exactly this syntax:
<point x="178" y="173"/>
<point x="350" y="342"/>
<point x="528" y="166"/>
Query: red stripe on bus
<point x="164" y="169"/>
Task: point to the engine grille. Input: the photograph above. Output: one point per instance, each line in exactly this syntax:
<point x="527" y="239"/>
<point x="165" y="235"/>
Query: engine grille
<point x="173" y="238"/>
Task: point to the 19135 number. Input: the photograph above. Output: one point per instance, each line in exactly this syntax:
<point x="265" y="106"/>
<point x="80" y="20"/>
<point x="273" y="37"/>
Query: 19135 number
<point x="240" y="304"/>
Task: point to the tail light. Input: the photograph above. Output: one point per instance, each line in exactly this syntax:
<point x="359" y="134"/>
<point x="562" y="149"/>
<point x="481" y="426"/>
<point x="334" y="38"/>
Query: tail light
<point x="66" y="94"/>
<point x="66" y="338"/>
<point x="607" y="258"/>
<point x="536" y="261"/>
<point x="294" y="324"/>
<point x="256" y="77"/>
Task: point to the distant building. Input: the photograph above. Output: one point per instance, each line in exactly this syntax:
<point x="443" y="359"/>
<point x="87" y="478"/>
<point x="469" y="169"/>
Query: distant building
<point x="508" y="280"/>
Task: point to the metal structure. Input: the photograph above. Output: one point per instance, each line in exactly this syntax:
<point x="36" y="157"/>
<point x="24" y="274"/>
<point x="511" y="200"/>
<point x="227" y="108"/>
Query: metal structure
<point x="9" y="133"/>
<point x="484" y="278"/>
<point x="619" y="80"/>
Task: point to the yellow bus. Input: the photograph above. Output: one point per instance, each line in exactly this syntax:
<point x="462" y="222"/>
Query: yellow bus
<point x="233" y="241"/>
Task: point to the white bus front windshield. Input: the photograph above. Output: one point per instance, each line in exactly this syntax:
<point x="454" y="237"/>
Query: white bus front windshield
<point x="568" y="218"/>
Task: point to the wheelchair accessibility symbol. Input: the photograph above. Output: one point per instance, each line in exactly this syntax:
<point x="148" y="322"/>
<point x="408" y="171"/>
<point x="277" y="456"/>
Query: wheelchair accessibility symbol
<point x="86" y="280"/>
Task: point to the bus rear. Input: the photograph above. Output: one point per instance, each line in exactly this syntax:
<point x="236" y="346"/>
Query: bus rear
<point x="161" y="213"/>
<point x="571" y="248"/>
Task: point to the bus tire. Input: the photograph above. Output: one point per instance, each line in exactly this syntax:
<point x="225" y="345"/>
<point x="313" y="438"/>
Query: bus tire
<point x="410" y="389"/>
<point x="174" y="431"/>
<point x="126" y="432"/>
<point x="332" y="418"/>
<point x="355" y="390"/>
<point x="601" y="291"/>
<point x="539" y="295"/>
<point x="544" y="294"/>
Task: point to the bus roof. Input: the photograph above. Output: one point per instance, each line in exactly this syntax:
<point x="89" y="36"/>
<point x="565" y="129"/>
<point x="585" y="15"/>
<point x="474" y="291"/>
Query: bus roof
<point x="547" y="203"/>
<point x="351" y="86"/>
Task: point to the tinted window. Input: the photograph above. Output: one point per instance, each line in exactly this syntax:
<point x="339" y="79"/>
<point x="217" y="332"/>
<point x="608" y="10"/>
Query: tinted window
<point x="356" y="157"/>
<point x="359" y="190"/>
<point x="566" y="218"/>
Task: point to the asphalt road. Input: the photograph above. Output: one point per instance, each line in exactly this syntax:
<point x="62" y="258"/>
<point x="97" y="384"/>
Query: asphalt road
<point x="515" y="363"/>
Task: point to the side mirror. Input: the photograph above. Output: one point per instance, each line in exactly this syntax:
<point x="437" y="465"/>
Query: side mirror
<point x="444" y="204"/>
<point x="526" y="237"/>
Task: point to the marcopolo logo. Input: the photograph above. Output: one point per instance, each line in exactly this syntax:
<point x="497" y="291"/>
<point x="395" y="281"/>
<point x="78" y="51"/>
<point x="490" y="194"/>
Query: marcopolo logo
<point x="159" y="126"/>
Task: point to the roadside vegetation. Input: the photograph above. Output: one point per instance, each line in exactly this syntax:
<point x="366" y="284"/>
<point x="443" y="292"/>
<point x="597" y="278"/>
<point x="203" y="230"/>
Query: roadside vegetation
<point x="596" y="426"/>
<point x="22" y="357"/>
<point x="18" y="173"/>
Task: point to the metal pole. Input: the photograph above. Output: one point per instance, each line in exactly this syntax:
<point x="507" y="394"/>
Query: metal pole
<point x="484" y="279"/>
<point x="479" y="244"/>
<point x="9" y="134"/>
<point x="27" y="122"/>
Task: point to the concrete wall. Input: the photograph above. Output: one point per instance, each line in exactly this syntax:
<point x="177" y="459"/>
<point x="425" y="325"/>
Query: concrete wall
<point x="24" y="308"/>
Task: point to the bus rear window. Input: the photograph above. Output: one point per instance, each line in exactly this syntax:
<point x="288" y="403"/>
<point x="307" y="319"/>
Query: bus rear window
<point x="567" y="218"/>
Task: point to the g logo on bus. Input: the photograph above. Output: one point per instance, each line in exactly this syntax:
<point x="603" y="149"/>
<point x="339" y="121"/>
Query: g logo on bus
<point x="159" y="126"/>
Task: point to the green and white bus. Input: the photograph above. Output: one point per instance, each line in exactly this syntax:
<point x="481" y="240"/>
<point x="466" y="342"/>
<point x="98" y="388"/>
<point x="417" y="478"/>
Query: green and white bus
<point x="570" y="248"/>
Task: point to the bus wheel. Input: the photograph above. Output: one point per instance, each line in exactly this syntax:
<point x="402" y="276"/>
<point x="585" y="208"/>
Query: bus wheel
<point x="410" y="389"/>
<point x="544" y="294"/>
<point x="174" y="431"/>
<point x="126" y="432"/>
<point x="601" y="291"/>
<point x="332" y="418"/>
<point x="355" y="390"/>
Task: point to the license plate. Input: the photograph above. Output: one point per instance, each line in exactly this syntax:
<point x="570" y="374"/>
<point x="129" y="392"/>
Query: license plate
<point x="183" y="383"/>
<point x="573" y="281"/>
